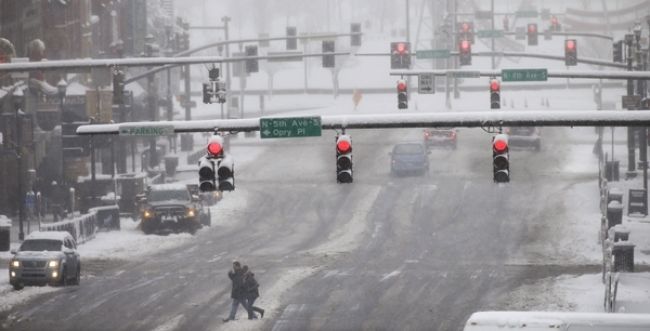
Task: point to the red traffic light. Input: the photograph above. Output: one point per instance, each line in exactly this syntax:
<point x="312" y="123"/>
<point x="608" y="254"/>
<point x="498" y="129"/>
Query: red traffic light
<point x="401" y="85"/>
<point x="500" y="144"/>
<point x="215" y="146"/>
<point x="465" y="27"/>
<point x="464" y="45"/>
<point x="570" y="44"/>
<point x="532" y="28"/>
<point x="554" y="20"/>
<point x="401" y="48"/>
<point x="495" y="86"/>
<point x="343" y="144"/>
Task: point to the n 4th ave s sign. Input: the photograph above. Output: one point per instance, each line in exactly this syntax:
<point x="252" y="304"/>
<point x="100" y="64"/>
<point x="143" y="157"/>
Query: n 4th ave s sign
<point x="290" y="127"/>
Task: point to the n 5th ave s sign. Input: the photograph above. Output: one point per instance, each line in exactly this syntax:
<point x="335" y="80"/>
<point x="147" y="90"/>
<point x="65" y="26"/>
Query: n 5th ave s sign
<point x="524" y="75"/>
<point x="290" y="127"/>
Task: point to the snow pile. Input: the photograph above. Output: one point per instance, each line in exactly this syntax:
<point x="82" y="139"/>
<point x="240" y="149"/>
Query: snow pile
<point x="11" y="298"/>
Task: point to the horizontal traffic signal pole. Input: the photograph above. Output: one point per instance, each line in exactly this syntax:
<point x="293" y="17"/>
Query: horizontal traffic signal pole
<point x="487" y="118"/>
<point x="142" y="62"/>
<point x="571" y="34"/>
<point x="587" y="74"/>
<point x="521" y="54"/>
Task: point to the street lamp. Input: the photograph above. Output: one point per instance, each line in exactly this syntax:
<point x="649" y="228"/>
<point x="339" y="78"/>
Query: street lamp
<point x="62" y="87"/>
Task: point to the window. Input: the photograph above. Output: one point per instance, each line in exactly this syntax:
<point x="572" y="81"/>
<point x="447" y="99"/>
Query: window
<point x="38" y="245"/>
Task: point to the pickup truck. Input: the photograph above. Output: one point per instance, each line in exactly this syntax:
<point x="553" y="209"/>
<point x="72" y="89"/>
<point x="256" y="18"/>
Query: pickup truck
<point x="169" y="208"/>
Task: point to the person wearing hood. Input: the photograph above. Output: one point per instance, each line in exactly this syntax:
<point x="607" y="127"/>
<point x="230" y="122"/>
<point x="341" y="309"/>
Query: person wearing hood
<point x="238" y="293"/>
<point x="251" y="287"/>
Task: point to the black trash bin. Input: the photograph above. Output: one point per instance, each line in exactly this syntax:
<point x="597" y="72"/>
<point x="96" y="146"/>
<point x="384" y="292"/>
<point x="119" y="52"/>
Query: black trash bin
<point x="5" y="234"/>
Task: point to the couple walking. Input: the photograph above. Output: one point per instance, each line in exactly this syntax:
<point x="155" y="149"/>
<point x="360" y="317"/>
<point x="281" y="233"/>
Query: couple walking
<point x="245" y="290"/>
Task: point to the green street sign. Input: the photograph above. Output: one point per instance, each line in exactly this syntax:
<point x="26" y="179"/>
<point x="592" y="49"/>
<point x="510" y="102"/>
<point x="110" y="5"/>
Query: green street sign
<point x="465" y="74"/>
<point x="490" y="33"/>
<point x="524" y="75"/>
<point x="526" y="13"/>
<point x="432" y="54"/>
<point x="150" y="131"/>
<point x="290" y="127"/>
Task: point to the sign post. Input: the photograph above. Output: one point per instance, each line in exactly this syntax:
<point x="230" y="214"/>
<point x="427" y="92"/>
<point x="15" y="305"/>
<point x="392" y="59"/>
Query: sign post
<point x="426" y="84"/>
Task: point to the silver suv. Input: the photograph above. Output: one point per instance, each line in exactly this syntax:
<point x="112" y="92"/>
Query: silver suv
<point x="45" y="258"/>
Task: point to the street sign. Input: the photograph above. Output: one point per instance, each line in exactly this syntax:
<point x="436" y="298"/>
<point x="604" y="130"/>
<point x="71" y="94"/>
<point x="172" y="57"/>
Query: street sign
<point x="520" y="33"/>
<point x="631" y="101"/>
<point x="524" y="75"/>
<point x="526" y="13"/>
<point x="163" y="130"/>
<point x="465" y="74"/>
<point x="290" y="127"/>
<point x="483" y="14"/>
<point x="490" y="33"/>
<point x="426" y="84"/>
<point x="432" y="54"/>
<point x="285" y="59"/>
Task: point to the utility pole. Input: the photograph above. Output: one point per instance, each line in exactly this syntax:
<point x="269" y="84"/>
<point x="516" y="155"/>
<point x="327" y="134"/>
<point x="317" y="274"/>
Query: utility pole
<point x="492" y="12"/>
<point x="629" y="39"/>
<point x="408" y="40"/>
<point x="225" y="21"/>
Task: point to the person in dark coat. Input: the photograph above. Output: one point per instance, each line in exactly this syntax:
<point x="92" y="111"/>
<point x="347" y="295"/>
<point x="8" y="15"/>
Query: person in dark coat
<point x="252" y="293"/>
<point x="238" y="292"/>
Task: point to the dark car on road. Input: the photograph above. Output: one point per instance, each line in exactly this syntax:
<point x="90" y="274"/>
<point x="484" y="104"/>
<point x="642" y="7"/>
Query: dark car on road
<point x="45" y="258"/>
<point x="409" y="158"/>
<point x="446" y="137"/>
<point x="525" y="137"/>
<point x="172" y="208"/>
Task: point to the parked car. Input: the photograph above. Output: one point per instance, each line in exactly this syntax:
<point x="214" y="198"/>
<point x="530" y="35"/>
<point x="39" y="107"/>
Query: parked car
<point x="446" y="137"/>
<point x="171" y="208"/>
<point x="45" y="258"/>
<point x="525" y="136"/>
<point x="409" y="158"/>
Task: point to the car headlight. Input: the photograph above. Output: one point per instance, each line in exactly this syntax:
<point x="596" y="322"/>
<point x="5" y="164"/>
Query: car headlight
<point x="191" y="212"/>
<point x="53" y="264"/>
<point x="147" y="214"/>
<point x="15" y="264"/>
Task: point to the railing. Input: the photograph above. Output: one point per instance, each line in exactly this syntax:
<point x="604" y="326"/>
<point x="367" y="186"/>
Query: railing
<point x="83" y="228"/>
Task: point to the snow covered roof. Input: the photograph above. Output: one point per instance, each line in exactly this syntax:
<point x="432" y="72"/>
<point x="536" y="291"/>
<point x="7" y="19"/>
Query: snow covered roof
<point x="4" y="221"/>
<point x="168" y="187"/>
<point x="51" y="235"/>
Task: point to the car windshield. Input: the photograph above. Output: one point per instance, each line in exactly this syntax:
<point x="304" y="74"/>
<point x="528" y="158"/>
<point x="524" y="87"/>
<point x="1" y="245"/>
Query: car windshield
<point x="38" y="245"/>
<point x="408" y="149"/>
<point x="164" y="195"/>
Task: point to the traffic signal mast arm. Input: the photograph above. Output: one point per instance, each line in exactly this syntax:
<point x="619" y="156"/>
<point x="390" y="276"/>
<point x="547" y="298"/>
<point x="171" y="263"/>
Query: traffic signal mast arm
<point x="142" y="62"/>
<point x="488" y="118"/>
<point x="587" y="74"/>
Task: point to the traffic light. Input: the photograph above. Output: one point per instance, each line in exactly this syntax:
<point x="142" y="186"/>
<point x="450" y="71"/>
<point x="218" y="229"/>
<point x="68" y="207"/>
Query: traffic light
<point x="292" y="40"/>
<point x="328" y="59"/>
<point x="400" y="55"/>
<point x="500" y="159"/>
<point x="355" y="38"/>
<point x="506" y="23"/>
<point x="466" y="31"/>
<point x="118" y="87"/>
<point x="226" y="173"/>
<point x="402" y="96"/>
<point x="252" y="65"/>
<point x="215" y="147"/>
<point x="618" y="51"/>
<point x="495" y="94"/>
<point x="532" y="34"/>
<point x="555" y="24"/>
<point x="207" y="93"/>
<point x="570" y="52"/>
<point x="207" y="180"/>
<point x="465" y="52"/>
<point x="221" y="91"/>
<point x="343" y="159"/>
